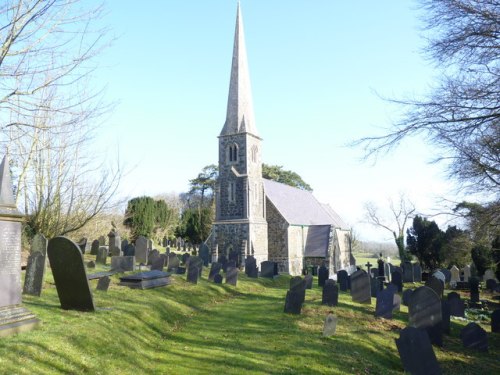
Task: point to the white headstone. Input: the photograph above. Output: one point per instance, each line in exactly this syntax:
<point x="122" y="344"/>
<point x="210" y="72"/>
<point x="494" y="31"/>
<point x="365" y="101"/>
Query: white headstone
<point x="455" y="276"/>
<point x="440" y="276"/>
<point x="330" y="325"/>
<point x="466" y="273"/>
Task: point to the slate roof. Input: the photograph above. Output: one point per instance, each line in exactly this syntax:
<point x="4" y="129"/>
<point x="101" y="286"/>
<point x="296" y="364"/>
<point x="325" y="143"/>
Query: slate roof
<point x="300" y="207"/>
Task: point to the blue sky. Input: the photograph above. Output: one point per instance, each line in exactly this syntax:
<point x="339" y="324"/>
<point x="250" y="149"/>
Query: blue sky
<point x="316" y="67"/>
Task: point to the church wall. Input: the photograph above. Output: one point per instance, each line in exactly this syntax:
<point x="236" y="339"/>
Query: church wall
<point x="344" y="247"/>
<point x="226" y="236"/>
<point x="277" y="237"/>
<point x="259" y="245"/>
<point x="296" y="238"/>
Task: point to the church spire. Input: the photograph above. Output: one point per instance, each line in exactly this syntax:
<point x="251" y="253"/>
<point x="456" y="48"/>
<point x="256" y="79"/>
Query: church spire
<point x="240" y="116"/>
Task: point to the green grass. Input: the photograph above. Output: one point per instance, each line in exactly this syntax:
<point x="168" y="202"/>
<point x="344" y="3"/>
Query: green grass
<point x="218" y="329"/>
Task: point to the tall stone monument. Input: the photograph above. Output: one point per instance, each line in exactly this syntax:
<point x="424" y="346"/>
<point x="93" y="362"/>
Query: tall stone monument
<point x="13" y="317"/>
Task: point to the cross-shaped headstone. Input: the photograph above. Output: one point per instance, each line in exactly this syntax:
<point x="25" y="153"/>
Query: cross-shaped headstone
<point x="368" y="265"/>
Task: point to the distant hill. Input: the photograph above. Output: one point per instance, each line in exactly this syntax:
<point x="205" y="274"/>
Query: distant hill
<point x="375" y="248"/>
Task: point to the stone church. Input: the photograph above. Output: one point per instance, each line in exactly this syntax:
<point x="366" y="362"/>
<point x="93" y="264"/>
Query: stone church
<point x="259" y="217"/>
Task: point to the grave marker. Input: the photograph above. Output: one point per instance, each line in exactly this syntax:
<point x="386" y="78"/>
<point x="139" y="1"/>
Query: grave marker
<point x="436" y="285"/>
<point x="424" y="312"/>
<point x="232" y="276"/>
<point x="102" y="255"/>
<point x="94" y="247"/>
<point x="330" y="295"/>
<point x="343" y="279"/>
<point x="141" y="250"/>
<point x="214" y="270"/>
<point x="416" y="352"/>
<point x="360" y="287"/>
<point x="330" y="325"/>
<point x="35" y="271"/>
<point x="385" y="304"/>
<point x="123" y="263"/>
<point x="322" y="275"/>
<point x="103" y="284"/>
<point x="474" y="337"/>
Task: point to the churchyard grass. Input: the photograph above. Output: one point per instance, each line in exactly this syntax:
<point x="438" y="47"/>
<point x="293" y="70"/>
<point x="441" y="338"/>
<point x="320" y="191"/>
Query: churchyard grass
<point x="207" y="328"/>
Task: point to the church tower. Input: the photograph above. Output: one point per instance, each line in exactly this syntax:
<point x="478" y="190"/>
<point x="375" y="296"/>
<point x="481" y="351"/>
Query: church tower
<point x="240" y="227"/>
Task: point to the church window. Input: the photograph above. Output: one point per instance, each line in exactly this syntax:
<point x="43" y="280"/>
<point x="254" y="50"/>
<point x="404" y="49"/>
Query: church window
<point x="232" y="192"/>
<point x="255" y="150"/>
<point x="232" y="153"/>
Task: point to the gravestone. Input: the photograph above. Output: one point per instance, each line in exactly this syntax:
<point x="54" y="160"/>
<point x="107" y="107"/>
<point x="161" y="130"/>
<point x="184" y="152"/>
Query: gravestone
<point x="385" y="304"/>
<point x="185" y="257"/>
<point x="141" y="250"/>
<point x="330" y="295"/>
<point x="229" y="264"/>
<point x="407" y="296"/>
<point x="102" y="241"/>
<point x="381" y="267"/>
<point x="424" y="312"/>
<point x="82" y="244"/>
<point x="214" y="270"/>
<point x="123" y="263"/>
<point x="103" y="284"/>
<point x="70" y="277"/>
<point x="489" y="275"/>
<point x="455" y="276"/>
<point x="387" y="271"/>
<point x="397" y="279"/>
<point x="467" y="274"/>
<point x="435" y="284"/>
<point x="35" y="271"/>
<point x="91" y="264"/>
<point x="474" y="337"/>
<point x="173" y="262"/>
<point x="114" y="243"/>
<point x="234" y="256"/>
<point x="158" y="263"/>
<point x="309" y="281"/>
<point x="152" y="256"/>
<point x="204" y="254"/>
<point x="457" y="305"/>
<point x="447" y="275"/>
<point x="440" y="276"/>
<point x="129" y="250"/>
<point x="343" y="280"/>
<point x="491" y="284"/>
<point x="146" y="280"/>
<point x="407" y="272"/>
<point x="374" y="287"/>
<point x="251" y="269"/>
<point x="39" y="243"/>
<point x="293" y="302"/>
<point x="416" y="352"/>
<point x="223" y="261"/>
<point x="322" y="275"/>
<point x="232" y="276"/>
<point x="417" y="272"/>
<point x="197" y="262"/>
<point x="193" y="272"/>
<point x="124" y="245"/>
<point x="102" y="255"/>
<point x="495" y="321"/>
<point x="474" y="289"/>
<point x="267" y="269"/>
<point x="330" y="325"/>
<point x="94" y="247"/>
<point x="396" y="302"/>
<point x="218" y="278"/>
<point x="360" y="287"/>
<point x="445" y="315"/>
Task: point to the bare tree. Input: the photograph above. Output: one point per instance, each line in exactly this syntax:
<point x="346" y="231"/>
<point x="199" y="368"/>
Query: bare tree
<point x="400" y="212"/>
<point x="461" y="115"/>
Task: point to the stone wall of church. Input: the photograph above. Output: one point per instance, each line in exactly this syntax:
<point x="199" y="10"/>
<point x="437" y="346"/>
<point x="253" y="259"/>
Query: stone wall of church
<point x="344" y="247"/>
<point x="228" y="236"/>
<point x="259" y="242"/>
<point x="296" y="238"/>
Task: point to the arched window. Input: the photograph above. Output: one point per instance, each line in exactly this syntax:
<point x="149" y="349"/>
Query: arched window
<point x="232" y="153"/>
<point x="231" y="192"/>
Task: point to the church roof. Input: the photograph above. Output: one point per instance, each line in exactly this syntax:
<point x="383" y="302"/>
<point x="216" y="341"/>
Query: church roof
<point x="300" y="207"/>
<point x="240" y="115"/>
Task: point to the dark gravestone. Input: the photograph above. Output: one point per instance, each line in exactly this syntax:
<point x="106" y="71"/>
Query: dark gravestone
<point x="293" y="302"/>
<point x="474" y="337"/>
<point x="82" y="244"/>
<point x="416" y="353"/>
<point x="380" y="267"/>
<point x="424" y="312"/>
<point x="298" y="286"/>
<point x="91" y="264"/>
<point x="153" y="255"/>
<point x="193" y="273"/>
<point x="425" y="276"/>
<point x="141" y="250"/>
<point x="197" y="262"/>
<point x="205" y="254"/>
<point x="222" y="260"/>
<point x="385" y="304"/>
<point x="495" y="321"/>
<point x="322" y="275"/>
<point x="35" y="271"/>
<point x="360" y="287"/>
<point x="250" y="266"/>
<point x="407" y="296"/>
<point x="94" y="247"/>
<point x="235" y="257"/>
<point x="66" y="262"/>
<point x="129" y="250"/>
<point x="474" y="289"/>
<point x="309" y="281"/>
<point x="447" y="275"/>
<point x="218" y="278"/>
<point x="392" y="287"/>
<point x="180" y="270"/>
<point x="407" y="272"/>
<point x="123" y="263"/>
<point x="214" y="270"/>
<point x="436" y="285"/>
<point x="417" y="273"/>
<point x="445" y="316"/>
<point x="230" y="264"/>
<point x="330" y="293"/>
<point x="397" y="279"/>
<point x="103" y="284"/>
<point x="158" y="263"/>
<point x="374" y="272"/>
<point x="185" y="257"/>
<point x="102" y="255"/>
<point x="374" y="288"/>
<point x="39" y="243"/>
<point x="491" y="284"/>
<point x="232" y="276"/>
<point x="457" y="305"/>
<point x="146" y="280"/>
<point x="343" y="280"/>
<point x="114" y="243"/>
<point x="267" y="269"/>
<point x="173" y="262"/>
<point x="123" y="246"/>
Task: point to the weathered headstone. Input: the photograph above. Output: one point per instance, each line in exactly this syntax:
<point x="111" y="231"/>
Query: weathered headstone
<point x="424" y="312"/>
<point x="466" y="271"/>
<point x="407" y="296"/>
<point x="185" y="257"/>
<point x="385" y="304"/>
<point x="440" y="276"/>
<point x="489" y="275"/>
<point x="322" y="275"/>
<point x="129" y="250"/>
<point x="343" y="280"/>
<point x="124" y="245"/>
<point x="330" y="295"/>
<point x="396" y="302"/>
<point x="435" y="284"/>
<point x="387" y="271"/>
<point x="204" y="254"/>
<point x="474" y="337"/>
<point x="102" y="241"/>
<point x="330" y="325"/>
<point x="35" y="271"/>
<point x="94" y="247"/>
<point x="397" y="279"/>
<point x="214" y="270"/>
<point x="103" y="284"/>
<point x="360" y="287"/>
<point x="407" y="272"/>
<point x="158" y="263"/>
<point x="123" y="263"/>
<point x="141" y="250"/>
<point x="457" y="305"/>
<point x="102" y="255"/>
<point x="150" y="244"/>
<point x="251" y="269"/>
<point x="70" y="277"/>
<point x="293" y="302"/>
<point x="495" y="321"/>
<point x="416" y="352"/>
<point x="232" y="275"/>
<point x="152" y="256"/>
<point x="223" y="261"/>
<point x="455" y="276"/>
<point x="309" y="281"/>
<point x="267" y="269"/>
<point x="417" y="272"/>
<point x="197" y="262"/>
<point x="173" y="262"/>
<point x="114" y="243"/>
<point x="193" y="273"/>
<point x="218" y="278"/>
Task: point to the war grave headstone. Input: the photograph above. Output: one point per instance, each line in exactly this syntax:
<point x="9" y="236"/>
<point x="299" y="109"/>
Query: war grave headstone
<point x="152" y="256"/>
<point x="474" y="337"/>
<point x="214" y="270"/>
<point x="407" y="296"/>
<point x="218" y="278"/>
<point x="466" y="272"/>
<point x="436" y="285"/>
<point x="205" y="254"/>
<point x="91" y="264"/>
<point x="35" y="271"/>
<point x="457" y="305"/>
<point x="102" y="255"/>
<point x="146" y="280"/>
<point x="309" y="281"/>
<point x="94" y="247"/>
<point x="455" y="276"/>
<point x="322" y="275"/>
<point x="424" y="312"/>
<point x="330" y="295"/>
<point x="267" y="269"/>
<point x="14" y="318"/>
<point x="70" y="277"/>
<point x="417" y="272"/>
<point x="385" y="304"/>
<point x="416" y="352"/>
<point x="343" y="280"/>
<point x="103" y="284"/>
<point x="407" y="272"/>
<point x="232" y="275"/>
<point x="82" y="244"/>
<point x="330" y="325"/>
<point x="474" y="290"/>
<point x="102" y="241"/>
<point x="360" y="287"/>
<point x="141" y="250"/>
<point x="193" y="273"/>
<point x="158" y="263"/>
<point x="495" y="321"/>
<point x="173" y="262"/>
<point x="129" y="250"/>
<point x="123" y="263"/>
<point x="114" y="243"/>
<point x="397" y="279"/>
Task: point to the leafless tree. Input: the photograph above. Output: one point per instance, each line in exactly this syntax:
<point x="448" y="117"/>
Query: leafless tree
<point x="461" y="115"/>
<point x="400" y="212"/>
